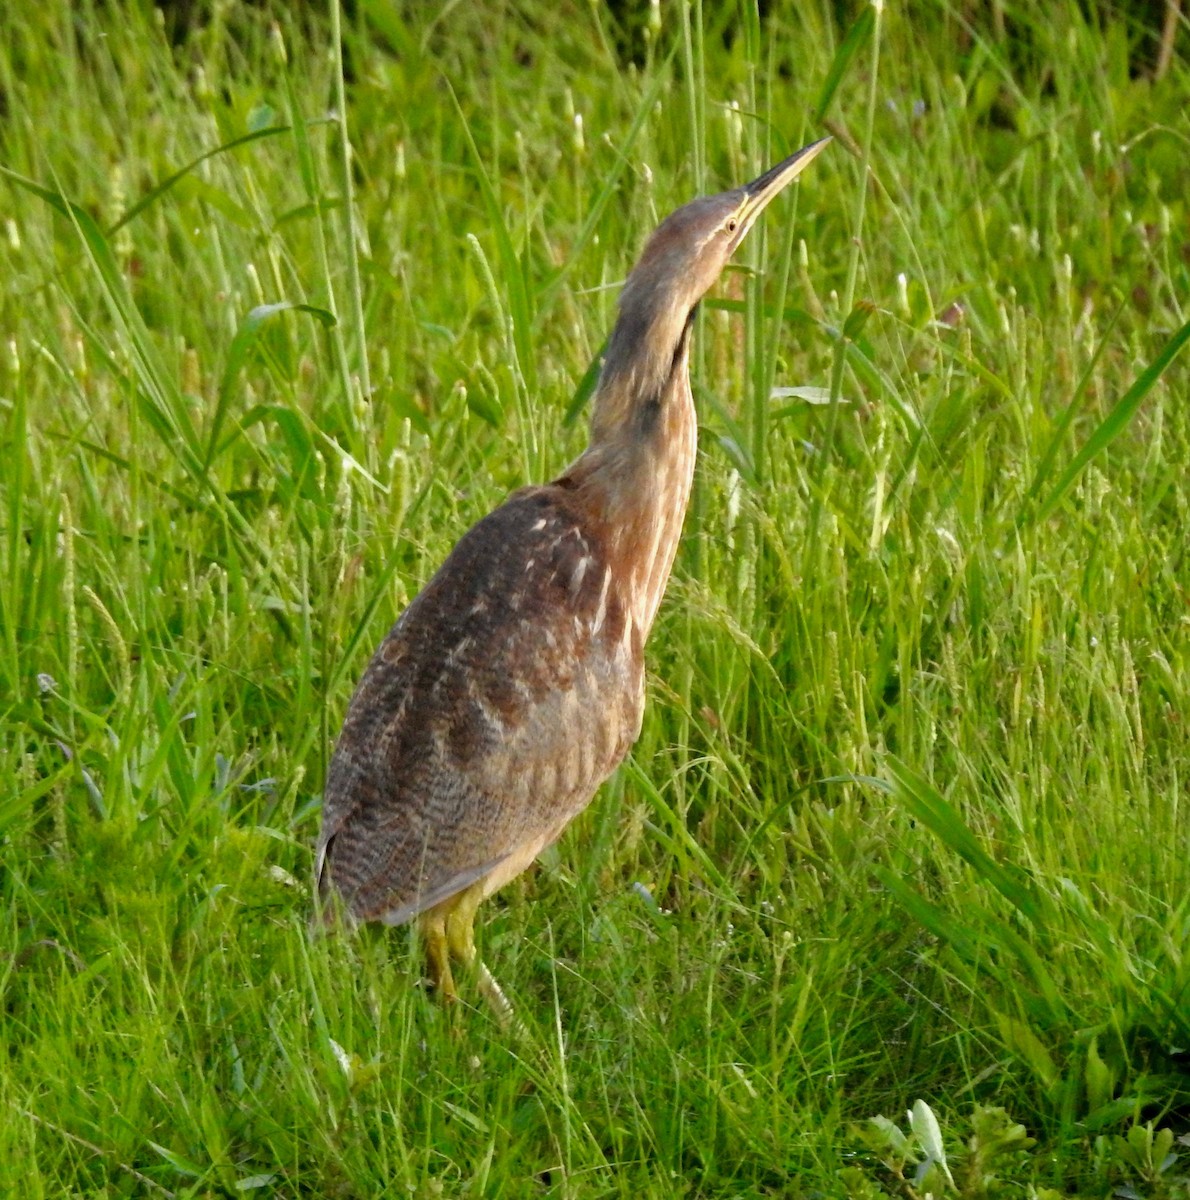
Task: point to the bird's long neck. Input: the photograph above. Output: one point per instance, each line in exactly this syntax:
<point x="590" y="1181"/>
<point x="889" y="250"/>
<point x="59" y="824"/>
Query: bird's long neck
<point x="636" y="474"/>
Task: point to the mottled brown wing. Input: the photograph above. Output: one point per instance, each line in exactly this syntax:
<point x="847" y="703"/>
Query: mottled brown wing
<point x="506" y="692"/>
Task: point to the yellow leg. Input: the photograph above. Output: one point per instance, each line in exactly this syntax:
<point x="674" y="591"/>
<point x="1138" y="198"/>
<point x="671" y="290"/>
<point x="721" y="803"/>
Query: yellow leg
<point x="433" y="931"/>
<point x="460" y="938"/>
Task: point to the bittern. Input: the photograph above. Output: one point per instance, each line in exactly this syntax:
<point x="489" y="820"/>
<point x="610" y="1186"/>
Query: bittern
<point x="513" y="683"/>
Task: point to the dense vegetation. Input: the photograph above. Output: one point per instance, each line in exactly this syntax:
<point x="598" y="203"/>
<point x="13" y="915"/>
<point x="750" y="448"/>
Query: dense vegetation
<point x="907" y="827"/>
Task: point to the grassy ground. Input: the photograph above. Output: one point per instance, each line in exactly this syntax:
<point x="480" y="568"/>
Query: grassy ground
<point x="908" y="819"/>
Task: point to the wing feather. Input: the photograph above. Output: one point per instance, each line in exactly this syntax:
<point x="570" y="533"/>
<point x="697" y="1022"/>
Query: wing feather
<point x="506" y="692"/>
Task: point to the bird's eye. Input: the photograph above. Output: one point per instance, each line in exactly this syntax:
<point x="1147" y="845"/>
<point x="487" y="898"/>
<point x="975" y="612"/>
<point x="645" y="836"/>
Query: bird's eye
<point x="731" y="225"/>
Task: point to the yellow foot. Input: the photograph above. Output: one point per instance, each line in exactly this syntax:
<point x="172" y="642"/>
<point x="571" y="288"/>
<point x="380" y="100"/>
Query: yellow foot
<point x="449" y="933"/>
<point x="433" y="928"/>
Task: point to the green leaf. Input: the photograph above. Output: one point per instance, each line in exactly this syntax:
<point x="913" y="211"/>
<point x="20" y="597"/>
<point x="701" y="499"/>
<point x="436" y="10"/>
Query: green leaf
<point x="179" y="1162"/>
<point x="485" y="407"/>
<point x="586" y="387"/>
<point x="807" y="394"/>
<point x="939" y="816"/>
<point x="20" y="805"/>
<point x="892" y="1136"/>
<point x="1024" y="1044"/>
<point x="929" y="1134"/>
<point x="737" y="456"/>
<point x="189" y="499"/>
<point x="856" y="36"/>
<point x="301" y="139"/>
<point x="1117" y="420"/>
<point x="261" y="118"/>
<point x="1045" y="467"/>
<point x="237" y="354"/>
<point x="251" y="1182"/>
<point x="157" y="192"/>
<point x="732" y="439"/>
<point x="682" y="841"/>
<point x="219" y="200"/>
<point x="1100" y="1078"/>
<point x="880" y="382"/>
<point x="963" y="939"/>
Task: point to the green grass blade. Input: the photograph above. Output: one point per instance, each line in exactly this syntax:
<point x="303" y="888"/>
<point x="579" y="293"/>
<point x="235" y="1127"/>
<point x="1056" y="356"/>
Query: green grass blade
<point x="962" y="939"/>
<point x="1046" y="466"/>
<point x="586" y="387"/>
<point x="938" y="815"/>
<point x="158" y="391"/>
<point x="312" y="187"/>
<point x="512" y="269"/>
<point x="672" y="823"/>
<point x="607" y="190"/>
<point x="238" y="352"/>
<point x="1116" y="421"/>
<point x="156" y="192"/>
<point x="849" y="47"/>
<point x="349" y="240"/>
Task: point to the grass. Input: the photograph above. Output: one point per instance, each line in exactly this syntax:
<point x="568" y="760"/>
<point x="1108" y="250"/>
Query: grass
<point x="907" y="821"/>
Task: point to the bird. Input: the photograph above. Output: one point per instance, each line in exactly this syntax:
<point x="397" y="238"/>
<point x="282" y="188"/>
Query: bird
<point x="513" y="684"/>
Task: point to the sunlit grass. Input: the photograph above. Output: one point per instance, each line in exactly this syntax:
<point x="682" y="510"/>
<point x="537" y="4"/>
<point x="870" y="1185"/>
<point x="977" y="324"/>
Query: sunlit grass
<point x="907" y="819"/>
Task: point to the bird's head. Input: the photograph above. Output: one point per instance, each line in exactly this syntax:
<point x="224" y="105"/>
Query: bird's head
<point x="680" y="262"/>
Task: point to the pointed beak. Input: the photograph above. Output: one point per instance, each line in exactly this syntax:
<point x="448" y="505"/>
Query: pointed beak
<point x="760" y="191"/>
